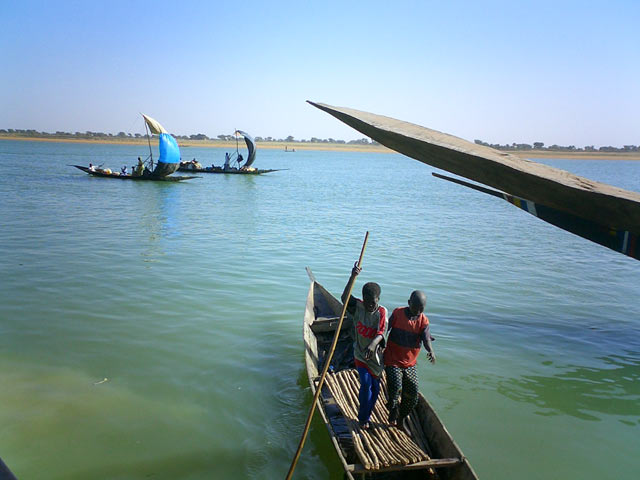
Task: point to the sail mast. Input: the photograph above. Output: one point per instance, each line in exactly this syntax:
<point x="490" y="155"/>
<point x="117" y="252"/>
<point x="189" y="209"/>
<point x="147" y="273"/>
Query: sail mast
<point x="146" y="127"/>
<point x="237" y="151"/>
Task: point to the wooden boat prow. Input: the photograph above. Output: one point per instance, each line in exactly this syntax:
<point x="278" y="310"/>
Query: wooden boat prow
<point x="440" y="457"/>
<point x="602" y="213"/>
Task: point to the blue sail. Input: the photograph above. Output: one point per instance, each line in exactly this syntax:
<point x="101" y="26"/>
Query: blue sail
<point x="169" y="160"/>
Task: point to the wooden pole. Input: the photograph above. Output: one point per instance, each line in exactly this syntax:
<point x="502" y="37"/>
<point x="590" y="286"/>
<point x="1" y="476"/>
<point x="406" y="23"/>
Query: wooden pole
<point x="324" y="370"/>
<point x="237" y="151"/>
<point x="149" y="141"/>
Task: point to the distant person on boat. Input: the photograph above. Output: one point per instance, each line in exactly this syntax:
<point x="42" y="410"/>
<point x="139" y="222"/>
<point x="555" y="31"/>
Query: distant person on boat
<point x="91" y="167"/>
<point x="227" y="159"/>
<point x="123" y="170"/>
<point x="369" y="324"/>
<point x="408" y="328"/>
<point x="139" y="168"/>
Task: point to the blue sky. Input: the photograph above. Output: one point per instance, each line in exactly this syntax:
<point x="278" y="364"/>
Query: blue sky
<point x="560" y="72"/>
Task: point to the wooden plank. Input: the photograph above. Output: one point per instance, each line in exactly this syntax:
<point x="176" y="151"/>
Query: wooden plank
<point x="433" y="463"/>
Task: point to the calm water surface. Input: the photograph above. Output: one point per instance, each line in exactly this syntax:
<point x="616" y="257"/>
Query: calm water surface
<point x="188" y="299"/>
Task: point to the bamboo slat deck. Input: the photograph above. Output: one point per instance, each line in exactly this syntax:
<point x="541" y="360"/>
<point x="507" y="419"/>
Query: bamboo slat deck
<point x="382" y="445"/>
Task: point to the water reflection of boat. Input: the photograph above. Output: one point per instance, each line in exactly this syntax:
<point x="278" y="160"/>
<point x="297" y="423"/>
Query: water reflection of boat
<point x="424" y="450"/>
<point x="167" y="163"/>
<point x="604" y="214"/>
<point x="233" y="164"/>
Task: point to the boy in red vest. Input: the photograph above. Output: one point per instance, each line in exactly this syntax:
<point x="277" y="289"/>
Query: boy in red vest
<point x="408" y="328"/>
<point x="369" y="324"/>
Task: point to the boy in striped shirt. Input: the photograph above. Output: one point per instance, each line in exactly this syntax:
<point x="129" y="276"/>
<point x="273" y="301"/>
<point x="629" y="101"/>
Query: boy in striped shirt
<point x="369" y="324"/>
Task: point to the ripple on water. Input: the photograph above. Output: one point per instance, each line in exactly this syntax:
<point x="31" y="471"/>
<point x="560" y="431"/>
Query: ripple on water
<point x="189" y="299"/>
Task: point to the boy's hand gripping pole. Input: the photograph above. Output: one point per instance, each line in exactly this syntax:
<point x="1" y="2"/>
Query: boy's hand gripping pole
<point x="327" y="362"/>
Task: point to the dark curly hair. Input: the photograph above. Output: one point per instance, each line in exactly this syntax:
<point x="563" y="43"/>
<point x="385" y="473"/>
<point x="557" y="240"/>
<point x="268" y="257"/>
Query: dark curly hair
<point x="371" y="289"/>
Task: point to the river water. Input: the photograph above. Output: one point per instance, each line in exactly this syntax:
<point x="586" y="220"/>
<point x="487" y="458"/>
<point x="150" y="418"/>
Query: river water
<point x="153" y="330"/>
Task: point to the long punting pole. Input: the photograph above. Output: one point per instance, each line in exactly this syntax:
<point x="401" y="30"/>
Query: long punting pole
<point x="324" y="370"/>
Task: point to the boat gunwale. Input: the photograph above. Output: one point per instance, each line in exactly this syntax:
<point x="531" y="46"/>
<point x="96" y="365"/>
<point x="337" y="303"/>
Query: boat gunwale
<point x="312" y="370"/>
<point x="257" y="171"/>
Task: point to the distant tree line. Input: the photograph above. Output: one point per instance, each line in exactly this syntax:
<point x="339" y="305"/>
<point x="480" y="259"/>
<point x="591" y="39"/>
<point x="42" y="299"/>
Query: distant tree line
<point x="558" y="148"/>
<point x="36" y="134"/>
<point x="199" y="136"/>
<point x="291" y="139"/>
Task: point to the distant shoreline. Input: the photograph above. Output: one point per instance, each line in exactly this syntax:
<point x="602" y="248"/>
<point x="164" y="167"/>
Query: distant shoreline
<point x="230" y="145"/>
<point x="343" y="147"/>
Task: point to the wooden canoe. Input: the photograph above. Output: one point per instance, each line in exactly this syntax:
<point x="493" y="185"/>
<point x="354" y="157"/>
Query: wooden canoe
<point x="382" y="451"/>
<point x="98" y="173"/>
<point x="236" y="171"/>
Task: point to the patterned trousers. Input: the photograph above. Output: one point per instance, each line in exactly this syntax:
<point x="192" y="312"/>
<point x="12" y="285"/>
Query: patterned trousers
<point x="405" y="379"/>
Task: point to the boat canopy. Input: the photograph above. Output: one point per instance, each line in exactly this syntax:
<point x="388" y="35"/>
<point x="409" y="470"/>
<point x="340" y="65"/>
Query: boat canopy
<point x="602" y="213"/>
<point x="251" y="146"/>
<point x="169" y="160"/>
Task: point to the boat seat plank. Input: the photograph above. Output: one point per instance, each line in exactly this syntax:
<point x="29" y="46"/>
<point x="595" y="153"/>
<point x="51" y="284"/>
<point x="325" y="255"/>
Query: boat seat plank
<point x="381" y="447"/>
<point x="326" y="324"/>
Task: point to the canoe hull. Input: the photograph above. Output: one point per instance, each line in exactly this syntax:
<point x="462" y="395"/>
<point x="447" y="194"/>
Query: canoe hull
<point x="228" y="172"/>
<point x="320" y="319"/>
<point x="131" y="177"/>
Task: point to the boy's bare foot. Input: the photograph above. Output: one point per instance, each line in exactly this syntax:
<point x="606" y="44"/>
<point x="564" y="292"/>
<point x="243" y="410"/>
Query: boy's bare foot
<point x="393" y="417"/>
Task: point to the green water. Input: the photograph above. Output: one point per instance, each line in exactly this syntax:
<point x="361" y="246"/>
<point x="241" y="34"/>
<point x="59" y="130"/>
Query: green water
<point x="188" y="298"/>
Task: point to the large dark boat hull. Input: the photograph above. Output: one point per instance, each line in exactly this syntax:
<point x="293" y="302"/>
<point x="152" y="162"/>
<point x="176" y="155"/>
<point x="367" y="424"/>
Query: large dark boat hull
<point x="152" y="178"/>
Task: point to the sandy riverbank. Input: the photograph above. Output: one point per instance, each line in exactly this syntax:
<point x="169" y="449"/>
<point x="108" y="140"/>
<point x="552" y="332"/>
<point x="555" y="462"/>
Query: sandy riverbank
<point x="298" y="146"/>
<point x="301" y="146"/>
